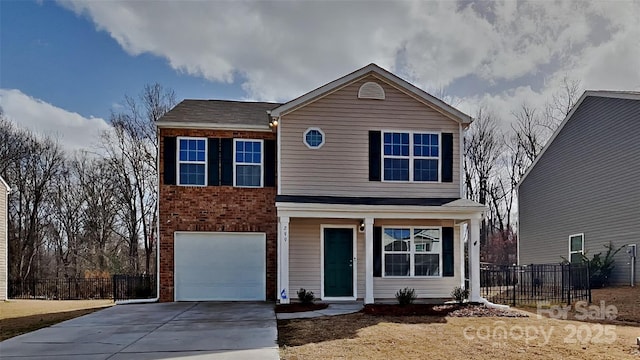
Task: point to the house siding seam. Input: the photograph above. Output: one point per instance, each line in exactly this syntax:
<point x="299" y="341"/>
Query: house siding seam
<point x="585" y="182"/>
<point x="341" y="166"/>
<point x="214" y="208"/>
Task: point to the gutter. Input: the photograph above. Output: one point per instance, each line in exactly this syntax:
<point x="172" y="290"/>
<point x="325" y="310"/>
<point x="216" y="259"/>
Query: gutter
<point x="153" y="300"/>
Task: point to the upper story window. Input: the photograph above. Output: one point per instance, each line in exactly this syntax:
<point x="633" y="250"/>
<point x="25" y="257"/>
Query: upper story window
<point x="313" y="138"/>
<point x="247" y="163"/>
<point x="412" y="251"/>
<point x="576" y="248"/>
<point x="411" y="156"/>
<point x="192" y="160"/>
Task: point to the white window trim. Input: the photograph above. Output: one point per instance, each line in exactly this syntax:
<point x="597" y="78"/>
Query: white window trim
<point x="178" y="162"/>
<point x="304" y="138"/>
<point x="261" y="162"/>
<point x="411" y="156"/>
<point x="581" y="251"/>
<point x="412" y="253"/>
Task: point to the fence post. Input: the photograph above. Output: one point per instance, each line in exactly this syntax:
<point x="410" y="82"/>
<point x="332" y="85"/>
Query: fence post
<point x="589" y="280"/>
<point x="514" y="276"/>
<point x="569" y="286"/>
<point x="115" y="291"/>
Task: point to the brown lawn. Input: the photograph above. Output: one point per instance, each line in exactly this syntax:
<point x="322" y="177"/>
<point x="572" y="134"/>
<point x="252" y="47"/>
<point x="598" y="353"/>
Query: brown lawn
<point x="362" y="336"/>
<point x="22" y="316"/>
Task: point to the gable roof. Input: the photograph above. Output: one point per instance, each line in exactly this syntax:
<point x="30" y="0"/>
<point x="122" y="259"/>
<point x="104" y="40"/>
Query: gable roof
<point x="218" y="114"/>
<point x="629" y="95"/>
<point x="403" y="85"/>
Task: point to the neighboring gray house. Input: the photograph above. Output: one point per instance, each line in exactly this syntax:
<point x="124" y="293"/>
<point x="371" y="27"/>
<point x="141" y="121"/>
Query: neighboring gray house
<point x="4" y="264"/>
<point x="583" y="190"/>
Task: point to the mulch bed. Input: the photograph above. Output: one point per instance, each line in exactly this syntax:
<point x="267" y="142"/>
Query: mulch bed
<point x="299" y="307"/>
<point x="454" y="310"/>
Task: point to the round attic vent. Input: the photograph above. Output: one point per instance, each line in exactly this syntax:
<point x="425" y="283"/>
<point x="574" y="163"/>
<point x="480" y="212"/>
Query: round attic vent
<point x="371" y="90"/>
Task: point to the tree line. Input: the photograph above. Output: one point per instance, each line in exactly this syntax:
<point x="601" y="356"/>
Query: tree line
<point x="85" y="213"/>
<point x="495" y="159"/>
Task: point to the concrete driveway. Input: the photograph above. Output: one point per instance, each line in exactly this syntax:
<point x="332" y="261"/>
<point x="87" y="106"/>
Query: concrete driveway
<point x="194" y="331"/>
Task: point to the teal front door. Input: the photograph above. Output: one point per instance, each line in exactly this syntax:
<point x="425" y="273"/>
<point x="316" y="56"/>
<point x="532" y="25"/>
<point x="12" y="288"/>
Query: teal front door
<point x="338" y="262"/>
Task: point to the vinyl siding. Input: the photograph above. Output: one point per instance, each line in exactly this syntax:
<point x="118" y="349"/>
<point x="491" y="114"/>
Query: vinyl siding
<point x="587" y="181"/>
<point x="340" y="166"/>
<point x="305" y="266"/>
<point x="3" y="243"/>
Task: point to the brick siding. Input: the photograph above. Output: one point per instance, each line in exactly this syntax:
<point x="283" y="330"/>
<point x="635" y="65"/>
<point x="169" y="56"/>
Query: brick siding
<point x="214" y="208"/>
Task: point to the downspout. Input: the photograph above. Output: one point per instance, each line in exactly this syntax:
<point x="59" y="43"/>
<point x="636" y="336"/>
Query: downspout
<point x="153" y="300"/>
<point x="6" y="242"/>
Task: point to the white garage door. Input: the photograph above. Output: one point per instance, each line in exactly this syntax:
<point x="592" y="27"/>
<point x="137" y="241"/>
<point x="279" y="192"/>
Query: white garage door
<point x="219" y="266"/>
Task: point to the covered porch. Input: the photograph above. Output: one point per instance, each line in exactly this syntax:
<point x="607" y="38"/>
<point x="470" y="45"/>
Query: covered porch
<point x="315" y="238"/>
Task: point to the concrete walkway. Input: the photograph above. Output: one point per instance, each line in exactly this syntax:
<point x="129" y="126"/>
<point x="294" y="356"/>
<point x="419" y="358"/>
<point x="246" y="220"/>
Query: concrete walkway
<point x="333" y="309"/>
<point x="174" y="331"/>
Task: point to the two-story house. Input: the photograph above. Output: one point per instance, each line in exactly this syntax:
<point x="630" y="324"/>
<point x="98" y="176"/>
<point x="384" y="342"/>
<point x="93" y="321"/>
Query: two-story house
<point x="352" y="191"/>
<point x="582" y="192"/>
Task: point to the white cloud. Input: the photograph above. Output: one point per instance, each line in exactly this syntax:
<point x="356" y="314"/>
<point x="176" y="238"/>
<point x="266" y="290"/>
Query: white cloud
<point x="279" y="50"/>
<point x="74" y="131"/>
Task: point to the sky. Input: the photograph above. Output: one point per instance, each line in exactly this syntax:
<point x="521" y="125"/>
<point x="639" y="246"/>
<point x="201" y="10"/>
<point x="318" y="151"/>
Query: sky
<point x="65" y="66"/>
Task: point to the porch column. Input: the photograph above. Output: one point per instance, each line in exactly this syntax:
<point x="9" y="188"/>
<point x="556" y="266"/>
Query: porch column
<point x="474" y="260"/>
<point x="283" y="260"/>
<point x="368" y="238"/>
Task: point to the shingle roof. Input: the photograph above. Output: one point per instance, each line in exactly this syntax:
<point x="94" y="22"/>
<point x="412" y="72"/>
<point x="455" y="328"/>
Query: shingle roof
<point x="224" y="112"/>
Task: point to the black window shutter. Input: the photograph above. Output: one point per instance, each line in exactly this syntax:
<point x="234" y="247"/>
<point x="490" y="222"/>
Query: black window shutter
<point x="213" y="162"/>
<point x="374" y="156"/>
<point x="270" y="163"/>
<point x="169" y="160"/>
<point x="447" y="251"/>
<point x="447" y="157"/>
<point x="226" y="150"/>
<point x="377" y="251"/>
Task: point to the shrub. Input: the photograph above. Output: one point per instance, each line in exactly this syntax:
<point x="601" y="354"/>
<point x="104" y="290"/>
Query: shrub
<point x="459" y="294"/>
<point x="406" y="296"/>
<point x="600" y="268"/>
<point x="306" y="297"/>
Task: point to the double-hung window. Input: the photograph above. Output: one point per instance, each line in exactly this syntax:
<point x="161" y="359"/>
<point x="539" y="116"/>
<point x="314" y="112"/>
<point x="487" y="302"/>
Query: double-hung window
<point x="247" y="163"/>
<point x="412" y="251"/>
<point x="192" y="160"/>
<point x="411" y="156"/>
<point x="576" y="248"/>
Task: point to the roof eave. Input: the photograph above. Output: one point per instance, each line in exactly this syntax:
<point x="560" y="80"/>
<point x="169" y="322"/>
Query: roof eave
<point x="340" y="83"/>
<point x="587" y="93"/>
<point x="210" y="126"/>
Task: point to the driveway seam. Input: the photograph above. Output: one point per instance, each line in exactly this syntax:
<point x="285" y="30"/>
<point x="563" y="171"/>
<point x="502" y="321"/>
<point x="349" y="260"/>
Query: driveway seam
<point x="154" y="329"/>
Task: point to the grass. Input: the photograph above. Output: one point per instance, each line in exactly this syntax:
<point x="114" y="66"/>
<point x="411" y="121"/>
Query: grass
<point x="363" y="336"/>
<point x="21" y="316"/>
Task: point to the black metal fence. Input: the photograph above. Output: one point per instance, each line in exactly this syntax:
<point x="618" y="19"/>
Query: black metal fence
<point x="529" y="284"/>
<point x="61" y="289"/>
<point x="127" y="287"/>
<point x="119" y="287"/>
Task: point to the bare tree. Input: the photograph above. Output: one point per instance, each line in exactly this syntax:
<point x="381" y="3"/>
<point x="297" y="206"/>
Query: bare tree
<point x="32" y="176"/>
<point x="132" y="148"/>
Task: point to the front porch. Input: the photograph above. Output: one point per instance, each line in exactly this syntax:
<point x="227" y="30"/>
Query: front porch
<point x="345" y="252"/>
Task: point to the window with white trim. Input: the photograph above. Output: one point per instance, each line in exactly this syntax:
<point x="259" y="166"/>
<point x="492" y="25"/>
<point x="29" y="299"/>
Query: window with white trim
<point x="409" y="156"/>
<point x="192" y="161"/>
<point x="313" y="138"/>
<point x="412" y="251"/>
<point x="576" y="248"/>
<point x="247" y="163"/>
